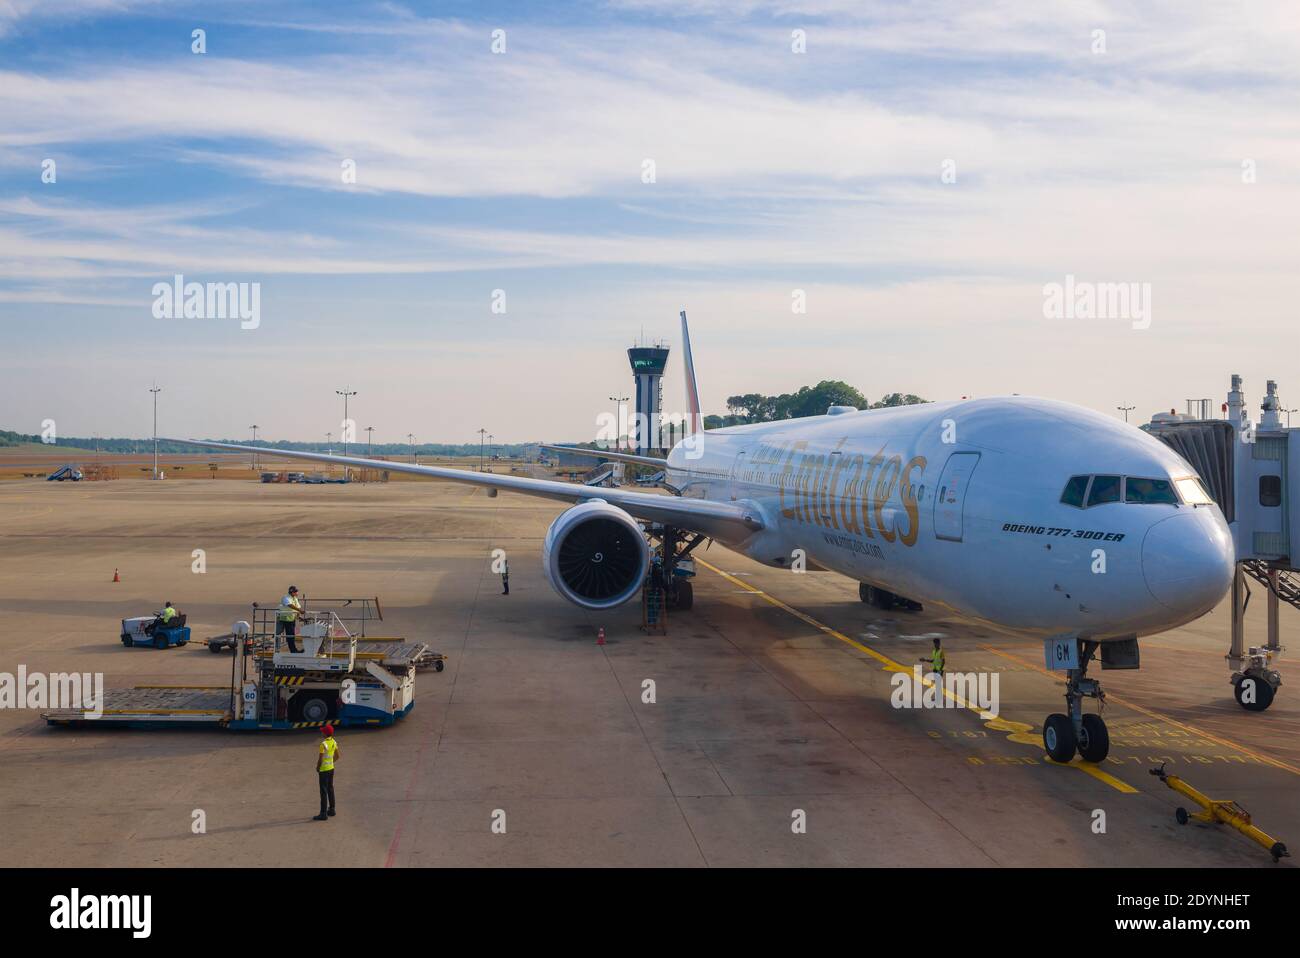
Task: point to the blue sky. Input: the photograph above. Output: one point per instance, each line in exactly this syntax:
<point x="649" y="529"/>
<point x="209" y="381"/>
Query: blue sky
<point x="775" y="171"/>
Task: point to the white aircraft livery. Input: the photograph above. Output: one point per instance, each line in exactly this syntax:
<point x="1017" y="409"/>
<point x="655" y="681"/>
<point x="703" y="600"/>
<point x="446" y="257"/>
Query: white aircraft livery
<point x="1032" y="516"/>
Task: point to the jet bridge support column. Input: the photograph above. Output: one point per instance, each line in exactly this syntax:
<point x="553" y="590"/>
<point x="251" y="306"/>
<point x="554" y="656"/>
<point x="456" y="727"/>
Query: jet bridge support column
<point x="1239" y="596"/>
<point x="1254" y="679"/>
<point x="1272" y="644"/>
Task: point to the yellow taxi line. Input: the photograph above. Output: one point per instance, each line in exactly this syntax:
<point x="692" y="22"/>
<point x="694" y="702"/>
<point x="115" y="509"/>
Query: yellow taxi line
<point x="1088" y="767"/>
<point x="1228" y="743"/>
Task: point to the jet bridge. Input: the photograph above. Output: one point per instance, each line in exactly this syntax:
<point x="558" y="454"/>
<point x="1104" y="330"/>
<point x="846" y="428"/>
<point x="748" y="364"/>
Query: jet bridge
<point x="1252" y="470"/>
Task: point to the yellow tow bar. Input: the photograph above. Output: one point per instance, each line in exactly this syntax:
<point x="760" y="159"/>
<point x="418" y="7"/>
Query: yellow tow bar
<point x="1216" y="812"/>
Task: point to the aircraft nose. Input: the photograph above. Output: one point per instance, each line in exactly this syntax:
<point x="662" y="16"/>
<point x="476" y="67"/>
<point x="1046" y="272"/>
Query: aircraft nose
<point x="1187" y="561"/>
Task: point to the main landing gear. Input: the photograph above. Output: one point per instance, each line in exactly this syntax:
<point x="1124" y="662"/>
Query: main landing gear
<point x="673" y="549"/>
<point x="882" y="599"/>
<point x="1063" y="735"/>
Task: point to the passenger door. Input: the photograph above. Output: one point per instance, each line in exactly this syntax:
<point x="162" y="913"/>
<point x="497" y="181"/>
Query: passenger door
<point x="950" y="499"/>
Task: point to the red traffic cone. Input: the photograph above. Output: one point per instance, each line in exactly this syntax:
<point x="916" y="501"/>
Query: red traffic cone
<point x="600" y="636"/>
<point x="116" y="577"/>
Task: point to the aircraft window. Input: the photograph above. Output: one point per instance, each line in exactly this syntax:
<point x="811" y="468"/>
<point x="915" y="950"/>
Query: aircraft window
<point x="1104" y="489"/>
<point x="1075" y="490"/>
<point x="1193" y="492"/>
<point x="1270" y="490"/>
<point x="1149" y="490"/>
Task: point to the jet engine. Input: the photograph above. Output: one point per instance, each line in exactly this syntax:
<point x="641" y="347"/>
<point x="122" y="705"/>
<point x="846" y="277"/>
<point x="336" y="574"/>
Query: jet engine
<point x="595" y="555"/>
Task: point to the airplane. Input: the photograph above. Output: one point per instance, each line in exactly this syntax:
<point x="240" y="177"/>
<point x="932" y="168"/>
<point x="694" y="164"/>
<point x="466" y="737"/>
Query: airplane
<point x="1032" y="516"/>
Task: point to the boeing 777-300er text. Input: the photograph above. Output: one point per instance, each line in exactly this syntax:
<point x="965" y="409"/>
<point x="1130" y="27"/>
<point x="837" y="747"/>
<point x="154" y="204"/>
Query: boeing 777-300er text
<point x="1035" y="517"/>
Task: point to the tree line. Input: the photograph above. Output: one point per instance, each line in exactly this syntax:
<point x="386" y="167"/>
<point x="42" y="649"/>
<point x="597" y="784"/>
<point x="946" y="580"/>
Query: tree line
<point x="806" y="401"/>
<point x="119" y="446"/>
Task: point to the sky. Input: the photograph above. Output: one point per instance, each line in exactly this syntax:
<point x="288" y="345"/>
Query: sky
<point x="466" y="212"/>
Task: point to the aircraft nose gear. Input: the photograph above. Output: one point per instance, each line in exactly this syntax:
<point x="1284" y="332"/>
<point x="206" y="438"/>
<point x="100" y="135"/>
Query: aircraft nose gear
<point x="1063" y="735"/>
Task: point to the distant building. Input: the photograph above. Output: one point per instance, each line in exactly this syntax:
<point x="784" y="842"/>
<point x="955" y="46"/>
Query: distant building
<point x="571" y="459"/>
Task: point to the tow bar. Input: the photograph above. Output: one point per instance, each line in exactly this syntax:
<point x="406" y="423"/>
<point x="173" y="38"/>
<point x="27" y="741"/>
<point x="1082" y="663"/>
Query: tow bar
<point x="1215" y="812"/>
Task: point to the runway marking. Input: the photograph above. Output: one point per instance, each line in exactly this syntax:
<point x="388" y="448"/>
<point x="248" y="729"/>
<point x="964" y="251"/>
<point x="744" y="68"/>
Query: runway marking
<point x="998" y="724"/>
<point x="1266" y="759"/>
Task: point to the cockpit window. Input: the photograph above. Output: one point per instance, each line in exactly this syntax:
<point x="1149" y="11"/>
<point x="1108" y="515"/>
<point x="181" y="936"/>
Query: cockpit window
<point x="1075" y="490"/>
<point x="1149" y="490"/>
<point x="1104" y="489"/>
<point x="1193" y="492"/>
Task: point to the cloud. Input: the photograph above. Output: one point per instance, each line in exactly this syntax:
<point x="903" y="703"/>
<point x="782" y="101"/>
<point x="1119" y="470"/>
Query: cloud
<point x="774" y="171"/>
<point x="18" y="13"/>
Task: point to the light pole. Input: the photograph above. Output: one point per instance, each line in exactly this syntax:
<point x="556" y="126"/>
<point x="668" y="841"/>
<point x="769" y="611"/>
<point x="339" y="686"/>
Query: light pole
<point x="155" y="389"/>
<point x="1125" y="410"/>
<point x="618" y="414"/>
<point x="369" y="436"/>
<point x="1288" y="416"/>
<point x="345" y="394"/>
<point x="254" y="428"/>
<point x="491" y="444"/>
<point x="329" y="443"/>
<point x="411" y="436"/>
<point x="481" y="434"/>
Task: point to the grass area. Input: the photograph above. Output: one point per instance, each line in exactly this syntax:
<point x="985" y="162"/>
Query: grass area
<point x="40" y="448"/>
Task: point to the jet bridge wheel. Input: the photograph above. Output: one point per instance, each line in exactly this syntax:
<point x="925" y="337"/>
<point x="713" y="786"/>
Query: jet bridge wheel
<point x="1262" y="694"/>
<point x="1059" y="738"/>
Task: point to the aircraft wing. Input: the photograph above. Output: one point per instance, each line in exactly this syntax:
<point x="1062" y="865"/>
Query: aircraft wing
<point x="615" y="456"/>
<point x="727" y="521"/>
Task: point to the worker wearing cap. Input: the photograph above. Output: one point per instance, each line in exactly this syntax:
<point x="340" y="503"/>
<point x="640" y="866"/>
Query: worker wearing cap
<point x="286" y="620"/>
<point x="325" y="758"/>
<point x="936" y="659"/>
<point x="163" y="618"/>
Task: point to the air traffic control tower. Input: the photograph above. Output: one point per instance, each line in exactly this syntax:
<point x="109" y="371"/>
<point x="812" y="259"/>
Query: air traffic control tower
<point x="648" y="364"/>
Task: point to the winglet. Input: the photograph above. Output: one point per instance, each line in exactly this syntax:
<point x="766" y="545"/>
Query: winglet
<point x="695" y="421"/>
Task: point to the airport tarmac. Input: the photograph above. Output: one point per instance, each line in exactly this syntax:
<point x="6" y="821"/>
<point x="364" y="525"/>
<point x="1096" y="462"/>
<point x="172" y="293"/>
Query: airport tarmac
<point x="771" y="699"/>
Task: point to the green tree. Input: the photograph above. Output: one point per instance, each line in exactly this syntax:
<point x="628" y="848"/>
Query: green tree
<point x="898" y="399"/>
<point x="805" y="401"/>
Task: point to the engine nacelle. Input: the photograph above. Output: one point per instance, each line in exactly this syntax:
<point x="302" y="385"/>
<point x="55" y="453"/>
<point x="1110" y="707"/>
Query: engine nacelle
<point x="595" y="555"/>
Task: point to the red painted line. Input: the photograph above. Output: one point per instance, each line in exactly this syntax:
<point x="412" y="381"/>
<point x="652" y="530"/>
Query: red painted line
<point x="406" y="803"/>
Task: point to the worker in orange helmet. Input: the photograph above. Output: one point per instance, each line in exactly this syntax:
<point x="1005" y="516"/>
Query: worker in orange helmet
<point x="326" y="756"/>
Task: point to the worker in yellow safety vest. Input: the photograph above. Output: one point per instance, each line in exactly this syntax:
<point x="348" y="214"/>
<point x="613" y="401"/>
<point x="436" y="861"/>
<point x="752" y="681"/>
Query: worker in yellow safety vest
<point x="935" y="659"/>
<point x="163" y="618"/>
<point x="286" y="620"/>
<point x="326" y="756"/>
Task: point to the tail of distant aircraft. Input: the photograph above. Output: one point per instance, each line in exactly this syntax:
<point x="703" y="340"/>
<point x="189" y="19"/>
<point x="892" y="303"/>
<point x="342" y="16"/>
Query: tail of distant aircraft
<point x="695" y="419"/>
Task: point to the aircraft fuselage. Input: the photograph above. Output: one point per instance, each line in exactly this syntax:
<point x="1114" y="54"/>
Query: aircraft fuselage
<point x="959" y="504"/>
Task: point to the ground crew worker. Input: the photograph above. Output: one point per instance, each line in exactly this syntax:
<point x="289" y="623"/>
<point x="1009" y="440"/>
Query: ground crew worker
<point x="162" y="618"/>
<point x="936" y="659"/>
<point x="325" y="758"/>
<point x="505" y="576"/>
<point x="286" y="620"/>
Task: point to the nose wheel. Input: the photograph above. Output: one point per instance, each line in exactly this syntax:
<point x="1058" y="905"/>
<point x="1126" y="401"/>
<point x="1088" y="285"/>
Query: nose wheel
<point x="1071" y="732"/>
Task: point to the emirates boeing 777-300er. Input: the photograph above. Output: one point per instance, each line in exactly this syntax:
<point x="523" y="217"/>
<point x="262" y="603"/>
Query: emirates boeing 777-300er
<point x="1035" y="517"/>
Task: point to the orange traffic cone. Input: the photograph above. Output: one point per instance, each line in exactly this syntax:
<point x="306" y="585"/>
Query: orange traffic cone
<point x="600" y="636"/>
<point x="116" y="577"/>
